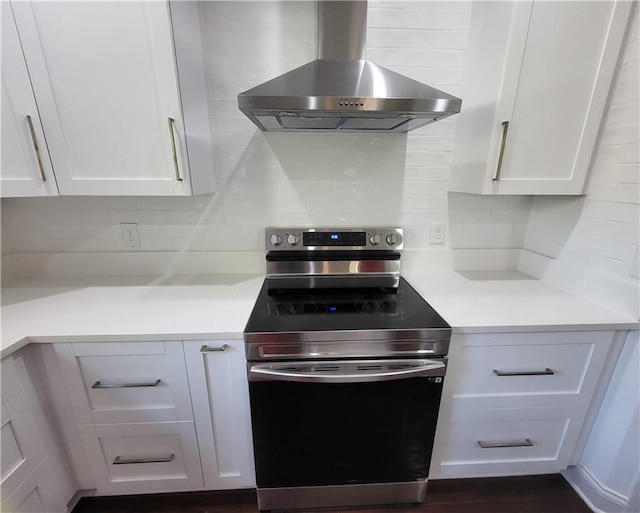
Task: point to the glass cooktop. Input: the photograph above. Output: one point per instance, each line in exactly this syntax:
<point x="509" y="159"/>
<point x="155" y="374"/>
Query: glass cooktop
<point x="343" y="309"/>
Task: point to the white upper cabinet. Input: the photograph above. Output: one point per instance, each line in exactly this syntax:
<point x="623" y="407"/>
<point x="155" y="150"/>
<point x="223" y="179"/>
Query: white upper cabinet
<point x="537" y="80"/>
<point x="105" y="79"/>
<point x="26" y="167"/>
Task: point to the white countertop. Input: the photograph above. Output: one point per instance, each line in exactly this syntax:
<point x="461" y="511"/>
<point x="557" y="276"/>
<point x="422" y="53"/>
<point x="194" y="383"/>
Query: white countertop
<point x="73" y="309"/>
<point x="494" y="301"/>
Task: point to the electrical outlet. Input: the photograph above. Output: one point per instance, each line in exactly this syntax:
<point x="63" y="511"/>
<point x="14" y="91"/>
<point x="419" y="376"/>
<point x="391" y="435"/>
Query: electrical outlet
<point x="437" y="233"/>
<point x="130" y="235"/>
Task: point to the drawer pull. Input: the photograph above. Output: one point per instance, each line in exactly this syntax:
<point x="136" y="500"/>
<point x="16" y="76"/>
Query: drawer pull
<point x="165" y="458"/>
<point x="545" y="372"/>
<point x="99" y="384"/>
<point x="493" y="445"/>
<point x="207" y="349"/>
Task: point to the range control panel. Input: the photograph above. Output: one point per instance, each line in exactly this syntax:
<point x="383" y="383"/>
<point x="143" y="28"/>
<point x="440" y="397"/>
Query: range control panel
<point x="327" y="239"/>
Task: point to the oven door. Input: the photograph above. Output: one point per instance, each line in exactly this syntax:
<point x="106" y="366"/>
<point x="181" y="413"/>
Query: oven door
<point x="344" y="422"/>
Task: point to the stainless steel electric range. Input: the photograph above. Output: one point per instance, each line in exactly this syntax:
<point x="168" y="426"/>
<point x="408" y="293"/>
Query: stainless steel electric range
<point x="345" y="363"/>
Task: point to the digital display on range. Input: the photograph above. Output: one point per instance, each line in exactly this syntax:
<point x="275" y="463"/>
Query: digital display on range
<point x="334" y="239"/>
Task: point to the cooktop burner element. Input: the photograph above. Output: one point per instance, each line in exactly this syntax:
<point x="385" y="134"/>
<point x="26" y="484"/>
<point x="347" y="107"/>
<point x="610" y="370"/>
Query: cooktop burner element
<point x="347" y="310"/>
<point x="382" y="306"/>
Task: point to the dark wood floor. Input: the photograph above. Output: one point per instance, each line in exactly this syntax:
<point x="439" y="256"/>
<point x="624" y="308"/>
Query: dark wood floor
<point x="525" y="494"/>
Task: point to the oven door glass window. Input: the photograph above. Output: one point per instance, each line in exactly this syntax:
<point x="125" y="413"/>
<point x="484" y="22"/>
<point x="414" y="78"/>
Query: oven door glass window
<point x="311" y="434"/>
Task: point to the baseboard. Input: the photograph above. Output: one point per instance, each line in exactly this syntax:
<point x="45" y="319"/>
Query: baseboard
<point x="599" y="498"/>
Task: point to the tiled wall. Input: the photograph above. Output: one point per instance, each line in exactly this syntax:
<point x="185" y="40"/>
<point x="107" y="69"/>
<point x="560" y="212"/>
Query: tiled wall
<point x="592" y="241"/>
<point x="301" y="179"/>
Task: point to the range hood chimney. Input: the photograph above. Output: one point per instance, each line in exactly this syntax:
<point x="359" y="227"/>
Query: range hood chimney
<point x="341" y="90"/>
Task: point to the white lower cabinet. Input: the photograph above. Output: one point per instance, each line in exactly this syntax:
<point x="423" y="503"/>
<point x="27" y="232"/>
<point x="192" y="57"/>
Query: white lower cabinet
<point x="35" y="473"/>
<point x="155" y="416"/>
<point x="141" y="417"/>
<point x="132" y="413"/>
<point x="515" y="403"/>
<point x="220" y="395"/>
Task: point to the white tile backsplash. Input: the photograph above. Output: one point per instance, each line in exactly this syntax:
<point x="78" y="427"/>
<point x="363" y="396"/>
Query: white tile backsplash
<point x="302" y="179"/>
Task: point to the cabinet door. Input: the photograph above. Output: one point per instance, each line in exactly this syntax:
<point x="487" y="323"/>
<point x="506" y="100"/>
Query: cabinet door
<point x="26" y="167"/>
<point x="533" y="129"/>
<point x="104" y="76"/>
<point x="561" y="93"/>
<point x="220" y="395"/>
<point x="25" y="499"/>
<point x="35" y="475"/>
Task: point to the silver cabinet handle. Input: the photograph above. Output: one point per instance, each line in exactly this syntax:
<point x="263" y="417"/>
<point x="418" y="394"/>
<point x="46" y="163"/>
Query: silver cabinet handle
<point x="505" y="129"/>
<point x="545" y="372"/>
<point x="99" y="384"/>
<point x="207" y="349"/>
<point x="172" y="136"/>
<point x="36" y="148"/>
<point x="494" y="445"/>
<point x="164" y="458"/>
<point x="259" y="372"/>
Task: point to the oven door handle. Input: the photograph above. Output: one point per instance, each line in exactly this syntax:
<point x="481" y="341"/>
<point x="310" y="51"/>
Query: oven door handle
<point x="322" y="373"/>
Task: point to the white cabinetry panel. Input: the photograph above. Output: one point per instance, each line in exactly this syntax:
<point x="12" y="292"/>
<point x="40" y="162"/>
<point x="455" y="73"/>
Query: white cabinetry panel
<point x="106" y="81"/>
<point x="14" y="462"/>
<point x="501" y="442"/>
<point x="143" y="457"/>
<point x="530" y="364"/>
<point x="24" y="172"/>
<point x="138" y="433"/>
<point x="35" y="475"/>
<point x="544" y="410"/>
<point x="537" y="80"/>
<point x="121" y="382"/>
<point x="25" y="499"/>
<point x="220" y="394"/>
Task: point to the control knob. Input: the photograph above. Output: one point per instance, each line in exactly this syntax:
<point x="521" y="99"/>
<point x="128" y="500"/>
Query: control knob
<point x="292" y="239"/>
<point x="374" y="239"/>
<point x="393" y="239"/>
<point x="275" y="239"/>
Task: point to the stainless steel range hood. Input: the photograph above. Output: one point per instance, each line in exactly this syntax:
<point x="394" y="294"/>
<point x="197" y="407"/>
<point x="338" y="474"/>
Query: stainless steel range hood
<point x="340" y="90"/>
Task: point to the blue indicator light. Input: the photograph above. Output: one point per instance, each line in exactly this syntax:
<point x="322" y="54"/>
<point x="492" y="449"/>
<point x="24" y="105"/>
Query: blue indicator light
<point x="333" y="308"/>
<point x="335" y="236"/>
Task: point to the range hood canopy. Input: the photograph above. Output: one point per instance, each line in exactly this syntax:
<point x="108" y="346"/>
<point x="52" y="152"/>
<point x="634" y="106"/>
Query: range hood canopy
<point x="340" y="90"/>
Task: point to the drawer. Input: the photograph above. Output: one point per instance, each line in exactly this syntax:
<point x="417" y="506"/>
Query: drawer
<point x="501" y="442"/>
<point x="143" y="457"/>
<point x="525" y="364"/>
<point x="127" y="382"/>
